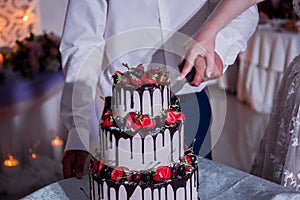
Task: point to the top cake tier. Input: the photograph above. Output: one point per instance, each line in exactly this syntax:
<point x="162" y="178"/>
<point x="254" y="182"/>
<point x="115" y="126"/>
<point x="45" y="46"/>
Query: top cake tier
<point x="137" y="90"/>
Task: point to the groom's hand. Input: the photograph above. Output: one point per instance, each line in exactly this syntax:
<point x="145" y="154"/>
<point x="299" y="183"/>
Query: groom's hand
<point x="73" y="163"/>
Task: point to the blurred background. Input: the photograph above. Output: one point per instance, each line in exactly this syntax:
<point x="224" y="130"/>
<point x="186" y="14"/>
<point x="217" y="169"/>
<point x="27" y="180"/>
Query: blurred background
<point x="32" y="136"/>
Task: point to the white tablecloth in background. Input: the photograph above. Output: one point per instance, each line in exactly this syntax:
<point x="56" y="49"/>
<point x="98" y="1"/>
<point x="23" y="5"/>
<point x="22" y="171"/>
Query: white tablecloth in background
<point x="262" y="65"/>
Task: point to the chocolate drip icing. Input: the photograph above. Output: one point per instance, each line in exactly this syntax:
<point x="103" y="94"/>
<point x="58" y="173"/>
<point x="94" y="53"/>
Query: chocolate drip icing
<point x="141" y="89"/>
<point x="191" y="189"/>
<point x="185" y="194"/>
<point x="99" y="192"/>
<point x="131" y="149"/>
<point x="162" y="96"/>
<point x="102" y="192"/>
<point x="108" y="192"/>
<point x="152" y="194"/>
<point x="110" y="139"/>
<point x="130" y="187"/>
<point x="151" y="102"/>
<point x="179" y="134"/>
<point x="125" y="101"/>
<point x="119" y="98"/>
<point x="143" y="150"/>
<point x="131" y="100"/>
<point x="154" y="147"/>
<point x="119" y="133"/>
<point x="159" y="193"/>
<point x="141" y="92"/>
<point x="106" y="145"/>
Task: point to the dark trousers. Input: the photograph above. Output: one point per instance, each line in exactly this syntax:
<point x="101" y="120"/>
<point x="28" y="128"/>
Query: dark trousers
<point x="197" y="110"/>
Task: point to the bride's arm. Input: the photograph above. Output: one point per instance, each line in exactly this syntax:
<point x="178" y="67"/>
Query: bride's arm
<point x="200" y="52"/>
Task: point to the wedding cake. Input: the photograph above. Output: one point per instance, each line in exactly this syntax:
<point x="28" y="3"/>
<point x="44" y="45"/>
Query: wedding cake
<point x="142" y="151"/>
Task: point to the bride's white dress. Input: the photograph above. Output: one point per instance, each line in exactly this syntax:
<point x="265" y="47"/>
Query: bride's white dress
<point x="279" y="156"/>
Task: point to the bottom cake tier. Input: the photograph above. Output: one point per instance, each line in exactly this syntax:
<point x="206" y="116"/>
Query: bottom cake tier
<point x="182" y="184"/>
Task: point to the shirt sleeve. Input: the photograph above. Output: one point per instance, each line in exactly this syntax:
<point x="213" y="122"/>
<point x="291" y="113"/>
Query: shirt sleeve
<point x="82" y="48"/>
<point x="233" y="38"/>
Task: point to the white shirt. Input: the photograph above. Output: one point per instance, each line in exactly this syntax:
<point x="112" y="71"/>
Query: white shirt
<point x="100" y="35"/>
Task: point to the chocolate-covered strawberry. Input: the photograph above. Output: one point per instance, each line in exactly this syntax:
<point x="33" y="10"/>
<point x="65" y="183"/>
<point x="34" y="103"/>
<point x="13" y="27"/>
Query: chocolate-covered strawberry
<point x="117" y="174"/>
<point x="135" y="80"/>
<point x="105" y="172"/>
<point x="101" y="166"/>
<point x="145" y="121"/>
<point x="141" y="67"/>
<point x="147" y="177"/>
<point x="132" y="121"/>
<point x="149" y="78"/>
<point x="181" y="170"/>
<point x="164" y="78"/>
<point x="95" y="165"/>
<point x="174" y="172"/>
<point x="107" y="119"/>
<point x="136" y="177"/>
<point x="162" y="173"/>
<point x="173" y="116"/>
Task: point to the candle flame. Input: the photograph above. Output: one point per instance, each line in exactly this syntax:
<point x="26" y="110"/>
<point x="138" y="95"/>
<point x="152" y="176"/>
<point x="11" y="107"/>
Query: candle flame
<point x="1" y="59"/>
<point x="25" y="18"/>
<point x="33" y="155"/>
<point x="11" y="161"/>
<point x="56" y="142"/>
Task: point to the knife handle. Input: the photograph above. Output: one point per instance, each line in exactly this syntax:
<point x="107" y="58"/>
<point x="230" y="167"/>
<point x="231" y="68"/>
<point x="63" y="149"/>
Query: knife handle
<point x="190" y="76"/>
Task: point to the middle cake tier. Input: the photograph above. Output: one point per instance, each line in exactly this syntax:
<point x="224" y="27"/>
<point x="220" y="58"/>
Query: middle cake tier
<point x="142" y="149"/>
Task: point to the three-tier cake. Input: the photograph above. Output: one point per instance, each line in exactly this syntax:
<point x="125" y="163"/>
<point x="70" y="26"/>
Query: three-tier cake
<point x="142" y="144"/>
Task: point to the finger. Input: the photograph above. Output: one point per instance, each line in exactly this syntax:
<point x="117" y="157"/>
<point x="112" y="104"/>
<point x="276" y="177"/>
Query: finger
<point x="217" y="68"/>
<point x="200" y="66"/>
<point x="80" y="163"/>
<point x="181" y="63"/>
<point x="188" y="65"/>
<point x="219" y="65"/>
<point x="210" y="65"/>
<point x="68" y="163"/>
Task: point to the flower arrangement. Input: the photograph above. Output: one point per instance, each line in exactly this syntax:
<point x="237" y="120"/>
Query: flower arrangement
<point x="36" y="53"/>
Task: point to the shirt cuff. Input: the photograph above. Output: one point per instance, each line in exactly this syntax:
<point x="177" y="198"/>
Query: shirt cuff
<point x="222" y="48"/>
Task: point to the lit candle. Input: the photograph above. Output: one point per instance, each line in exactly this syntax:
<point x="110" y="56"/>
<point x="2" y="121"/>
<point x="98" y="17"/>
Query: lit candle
<point x="57" y="145"/>
<point x="11" y="165"/>
<point x="1" y="60"/>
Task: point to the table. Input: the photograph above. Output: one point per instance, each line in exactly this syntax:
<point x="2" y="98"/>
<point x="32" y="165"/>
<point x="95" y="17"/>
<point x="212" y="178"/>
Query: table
<point x="261" y="66"/>
<point x="217" y="182"/>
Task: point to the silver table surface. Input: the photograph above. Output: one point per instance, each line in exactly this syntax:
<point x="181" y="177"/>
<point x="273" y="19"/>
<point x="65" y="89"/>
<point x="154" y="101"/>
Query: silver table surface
<point x="217" y="182"/>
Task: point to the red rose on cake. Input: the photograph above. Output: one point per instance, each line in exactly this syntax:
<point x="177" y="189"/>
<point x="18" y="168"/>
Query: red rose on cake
<point x="137" y="121"/>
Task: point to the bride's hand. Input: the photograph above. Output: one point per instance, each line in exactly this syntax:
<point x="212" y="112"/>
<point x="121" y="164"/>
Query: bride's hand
<point x="200" y="53"/>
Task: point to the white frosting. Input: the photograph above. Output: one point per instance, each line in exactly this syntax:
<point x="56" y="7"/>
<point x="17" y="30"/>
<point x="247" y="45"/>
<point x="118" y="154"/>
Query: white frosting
<point x="121" y="154"/>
